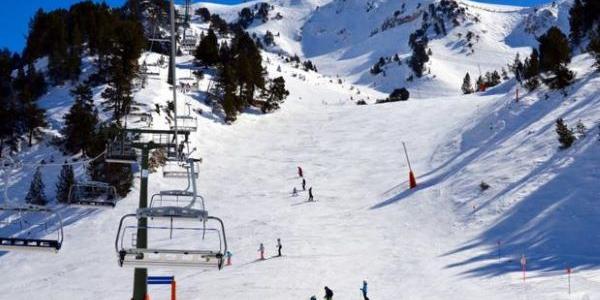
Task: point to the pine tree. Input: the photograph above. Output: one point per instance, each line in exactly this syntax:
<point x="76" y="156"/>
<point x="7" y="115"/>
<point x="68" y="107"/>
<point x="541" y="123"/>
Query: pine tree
<point x="577" y="20"/>
<point x="531" y="70"/>
<point x="594" y="46"/>
<point x="207" y="51"/>
<point x="127" y="45"/>
<point x="10" y="118"/>
<point x="467" y="86"/>
<point x="58" y="66"/>
<point x="36" y="194"/>
<point x="418" y="59"/>
<point x="555" y="54"/>
<point x="565" y="135"/>
<point x="81" y="120"/>
<point x="494" y="79"/>
<point x="269" y="39"/>
<point x="517" y="67"/>
<point x="554" y="50"/>
<point x="504" y="74"/>
<point x="29" y="87"/>
<point x="65" y="181"/>
<point x="276" y="94"/>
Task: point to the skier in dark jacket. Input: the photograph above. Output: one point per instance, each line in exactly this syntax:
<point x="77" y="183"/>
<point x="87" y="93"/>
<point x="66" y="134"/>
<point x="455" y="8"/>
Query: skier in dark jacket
<point x="310" y="195"/>
<point x="364" y="290"/>
<point x="328" y="294"/>
<point x="279" y="247"/>
<point x="300" y="173"/>
<point x="303" y="184"/>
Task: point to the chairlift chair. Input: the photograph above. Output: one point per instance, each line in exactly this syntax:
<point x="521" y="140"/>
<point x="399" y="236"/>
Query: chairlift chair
<point x="188" y="123"/>
<point x="33" y="244"/>
<point x="160" y="252"/>
<point x="120" y="151"/>
<point x="93" y="193"/>
<point x="177" y="169"/>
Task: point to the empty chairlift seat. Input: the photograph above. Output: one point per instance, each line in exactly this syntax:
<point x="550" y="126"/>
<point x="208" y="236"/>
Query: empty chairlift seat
<point x="200" y="244"/>
<point x="187" y="123"/>
<point x="34" y="228"/>
<point x="176" y="169"/>
<point x="121" y="151"/>
<point x="93" y="193"/>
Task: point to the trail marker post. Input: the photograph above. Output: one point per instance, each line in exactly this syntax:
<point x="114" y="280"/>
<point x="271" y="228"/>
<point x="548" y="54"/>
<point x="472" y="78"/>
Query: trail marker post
<point x="411" y="176"/>
<point x="523" y="265"/>
<point x="163" y="280"/>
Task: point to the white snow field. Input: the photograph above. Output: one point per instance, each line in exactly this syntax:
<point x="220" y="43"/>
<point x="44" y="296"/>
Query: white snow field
<point x="446" y="239"/>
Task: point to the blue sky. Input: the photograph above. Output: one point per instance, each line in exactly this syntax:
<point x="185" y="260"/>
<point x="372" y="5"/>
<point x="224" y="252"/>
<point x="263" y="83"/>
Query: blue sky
<point x="15" y="15"/>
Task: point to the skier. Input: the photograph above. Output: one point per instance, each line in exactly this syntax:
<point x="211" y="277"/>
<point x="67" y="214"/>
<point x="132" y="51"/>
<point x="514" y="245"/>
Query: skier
<point x="364" y="290"/>
<point x="294" y="192"/>
<point x="328" y="294"/>
<point x="303" y="184"/>
<point x="228" y="255"/>
<point x="310" y="195"/>
<point x="300" y="173"/>
<point x="279" y="247"/>
<point x="261" y="248"/>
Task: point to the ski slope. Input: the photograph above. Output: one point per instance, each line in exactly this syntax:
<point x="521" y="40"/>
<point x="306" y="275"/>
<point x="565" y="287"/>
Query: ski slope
<point x="439" y="241"/>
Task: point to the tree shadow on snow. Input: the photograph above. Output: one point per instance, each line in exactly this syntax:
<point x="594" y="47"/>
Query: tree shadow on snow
<point x="554" y="226"/>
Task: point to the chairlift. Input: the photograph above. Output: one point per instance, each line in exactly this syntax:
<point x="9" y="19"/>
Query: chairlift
<point x="150" y="70"/>
<point x="93" y="193"/>
<point x="31" y="219"/>
<point x="27" y="218"/>
<point x="121" y="151"/>
<point x="189" y="123"/>
<point x="206" y="252"/>
<point x="178" y="169"/>
<point x="177" y="198"/>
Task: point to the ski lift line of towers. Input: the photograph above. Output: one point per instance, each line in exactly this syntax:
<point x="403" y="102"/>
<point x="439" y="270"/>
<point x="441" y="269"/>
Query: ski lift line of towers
<point x="182" y="210"/>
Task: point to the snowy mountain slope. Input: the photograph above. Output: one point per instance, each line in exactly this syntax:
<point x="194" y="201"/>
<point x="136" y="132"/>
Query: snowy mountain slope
<point x="436" y="242"/>
<point x="347" y="38"/>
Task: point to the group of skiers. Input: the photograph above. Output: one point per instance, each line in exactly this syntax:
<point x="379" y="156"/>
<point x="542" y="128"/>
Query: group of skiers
<point x="329" y="292"/>
<point x="310" y="192"/>
<point x="261" y="249"/>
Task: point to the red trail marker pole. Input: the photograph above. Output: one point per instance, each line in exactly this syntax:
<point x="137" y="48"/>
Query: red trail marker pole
<point x="569" y="271"/>
<point x="411" y="176"/>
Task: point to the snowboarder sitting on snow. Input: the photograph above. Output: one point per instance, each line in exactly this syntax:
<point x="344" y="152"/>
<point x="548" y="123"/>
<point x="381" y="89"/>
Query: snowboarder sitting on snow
<point x="328" y="294"/>
<point x="279" y="247"/>
<point x="364" y="290"/>
<point x="310" y="195"/>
